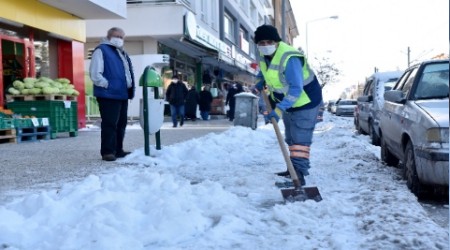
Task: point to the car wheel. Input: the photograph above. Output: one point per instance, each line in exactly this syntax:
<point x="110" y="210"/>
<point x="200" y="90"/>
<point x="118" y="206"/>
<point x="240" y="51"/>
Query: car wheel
<point x="412" y="179"/>
<point x="374" y="139"/>
<point x="387" y="156"/>
<point x="358" y="128"/>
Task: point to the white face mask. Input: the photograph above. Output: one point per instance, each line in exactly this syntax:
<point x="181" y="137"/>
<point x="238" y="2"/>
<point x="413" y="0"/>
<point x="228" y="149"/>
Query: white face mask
<point x="174" y="80"/>
<point x="116" y="42"/>
<point x="267" y="50"/>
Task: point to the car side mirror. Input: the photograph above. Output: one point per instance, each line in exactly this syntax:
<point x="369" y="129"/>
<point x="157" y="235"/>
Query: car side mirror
<point x="394" y="96"/>
<point x="363" y="98"/>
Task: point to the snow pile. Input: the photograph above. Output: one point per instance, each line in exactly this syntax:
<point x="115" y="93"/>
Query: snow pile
<point x="218" y="192"/>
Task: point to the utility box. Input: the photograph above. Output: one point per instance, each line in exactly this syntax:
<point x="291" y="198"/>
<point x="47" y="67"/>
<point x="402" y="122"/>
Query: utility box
<point x="246" y="110"/>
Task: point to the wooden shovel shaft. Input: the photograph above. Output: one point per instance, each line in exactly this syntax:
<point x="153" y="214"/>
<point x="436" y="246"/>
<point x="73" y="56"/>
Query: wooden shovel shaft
<point x="287" y="159"/>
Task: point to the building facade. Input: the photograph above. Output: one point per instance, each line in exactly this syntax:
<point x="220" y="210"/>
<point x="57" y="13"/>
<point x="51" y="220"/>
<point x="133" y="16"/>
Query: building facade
<point x="46" y="38"/>
<point x="208" y="41"/>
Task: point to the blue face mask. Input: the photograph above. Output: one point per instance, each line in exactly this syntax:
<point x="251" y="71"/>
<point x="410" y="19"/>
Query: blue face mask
<point x="267" y="50"/>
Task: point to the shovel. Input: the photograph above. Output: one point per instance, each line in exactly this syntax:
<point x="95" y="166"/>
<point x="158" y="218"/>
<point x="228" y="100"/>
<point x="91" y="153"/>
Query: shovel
<point x="298" y="193"/>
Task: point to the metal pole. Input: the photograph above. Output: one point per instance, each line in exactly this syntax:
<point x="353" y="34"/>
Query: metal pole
<point x="145" y="110"/>
<point x="306" y="30"/>
<point x="283" y="20"/>
<point x="158" y="133"/>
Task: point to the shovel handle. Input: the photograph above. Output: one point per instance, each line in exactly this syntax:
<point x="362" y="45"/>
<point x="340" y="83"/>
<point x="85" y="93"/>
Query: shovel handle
<point x="287" y="159"/>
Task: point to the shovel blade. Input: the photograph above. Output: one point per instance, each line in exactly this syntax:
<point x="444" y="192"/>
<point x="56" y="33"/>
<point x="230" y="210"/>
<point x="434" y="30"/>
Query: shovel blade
<point x="301" y="194"/>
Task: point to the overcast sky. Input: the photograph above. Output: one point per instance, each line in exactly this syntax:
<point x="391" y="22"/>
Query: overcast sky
<point x="369" y="34"/>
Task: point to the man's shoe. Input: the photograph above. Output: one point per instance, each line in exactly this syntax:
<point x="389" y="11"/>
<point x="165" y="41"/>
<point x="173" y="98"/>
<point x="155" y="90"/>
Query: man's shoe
<point x="181" y="123"/>
<point x="122" y="154"/>
<point x="284" y="174"/>
<point x="109" y="157"/>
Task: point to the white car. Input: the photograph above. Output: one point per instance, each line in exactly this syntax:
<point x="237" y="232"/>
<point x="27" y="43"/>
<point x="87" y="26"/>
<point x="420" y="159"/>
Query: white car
<point x="371" y="102"/>
<point x="346" y="107"/>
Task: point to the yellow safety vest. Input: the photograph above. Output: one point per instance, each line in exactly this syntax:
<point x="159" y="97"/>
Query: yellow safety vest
<point x="274" y="75"/>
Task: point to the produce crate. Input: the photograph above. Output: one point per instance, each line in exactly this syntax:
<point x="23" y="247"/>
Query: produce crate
<point x="22" y="122"/>
<point x="6" y="123"/>
<point x="62" y="115"/>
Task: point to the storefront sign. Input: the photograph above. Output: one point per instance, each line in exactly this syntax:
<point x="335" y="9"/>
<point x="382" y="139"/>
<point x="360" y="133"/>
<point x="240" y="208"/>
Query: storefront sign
<point x="198" y="34"/>
<point x="226" y="53"/>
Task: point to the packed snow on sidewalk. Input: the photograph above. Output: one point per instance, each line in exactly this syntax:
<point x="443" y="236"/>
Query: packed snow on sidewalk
<point x="218" y="192"/>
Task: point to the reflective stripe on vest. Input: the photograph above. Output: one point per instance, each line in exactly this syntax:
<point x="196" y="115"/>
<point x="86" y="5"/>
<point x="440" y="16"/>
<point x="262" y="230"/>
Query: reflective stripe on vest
<point x="274" y="74"/>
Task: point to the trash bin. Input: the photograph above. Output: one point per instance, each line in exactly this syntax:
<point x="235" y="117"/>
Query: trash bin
<point x="155" y="114"/>
<point x="246" y="110"/>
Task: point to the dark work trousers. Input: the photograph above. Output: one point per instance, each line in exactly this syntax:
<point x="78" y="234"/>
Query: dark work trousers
<point x="114" y="122"/>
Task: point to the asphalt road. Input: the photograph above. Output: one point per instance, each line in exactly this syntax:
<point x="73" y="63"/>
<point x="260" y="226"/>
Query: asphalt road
<point x="29" y="166"/>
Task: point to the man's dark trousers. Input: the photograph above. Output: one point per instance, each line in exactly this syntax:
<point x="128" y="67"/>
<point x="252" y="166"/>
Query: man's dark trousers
<point x="114" y="114"/>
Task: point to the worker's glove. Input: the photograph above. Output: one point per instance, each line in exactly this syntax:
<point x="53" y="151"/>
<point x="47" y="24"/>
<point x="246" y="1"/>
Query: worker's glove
<point x="275" y="113"/>
<point x="259" y="86"/>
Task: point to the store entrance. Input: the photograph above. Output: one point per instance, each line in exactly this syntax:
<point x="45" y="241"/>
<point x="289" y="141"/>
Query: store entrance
<point x="16" y="64"/>
<point x="12" y="62"/>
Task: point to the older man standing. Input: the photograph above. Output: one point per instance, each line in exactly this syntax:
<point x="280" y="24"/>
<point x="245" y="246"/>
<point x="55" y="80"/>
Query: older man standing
<point x="112" y="74"/>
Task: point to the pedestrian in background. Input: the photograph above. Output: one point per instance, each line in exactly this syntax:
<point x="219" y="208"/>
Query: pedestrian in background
<point x="192" y="100"/>
<point x="111" y="72"/>
<point x="176" y="96"/>
<point x="294" y="91"/>
<point x="231" y="100"/>
<point x="206" y="99"/>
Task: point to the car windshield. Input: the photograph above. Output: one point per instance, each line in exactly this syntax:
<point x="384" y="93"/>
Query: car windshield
<point x="388" y="85"/>
<point x="348" y="103"/>
<point x="433" y="83"/>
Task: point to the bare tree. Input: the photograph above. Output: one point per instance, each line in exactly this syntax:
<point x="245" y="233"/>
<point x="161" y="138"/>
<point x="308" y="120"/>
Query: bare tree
<point x="326" y="71"/>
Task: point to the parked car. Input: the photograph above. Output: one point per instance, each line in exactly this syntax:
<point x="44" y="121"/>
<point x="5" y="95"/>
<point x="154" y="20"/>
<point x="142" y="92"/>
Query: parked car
<point x="333" y="107"/>
<point x="414" y="125"/>
<point x="355" y="118"/>
<point x="345" y="107"/>
<point x="330" y="104"/>
<point x="320" y="114"/>
<point x="371" y="102"/>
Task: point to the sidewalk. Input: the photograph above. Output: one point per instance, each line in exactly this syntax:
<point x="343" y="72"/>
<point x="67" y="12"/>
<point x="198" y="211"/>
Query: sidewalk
<point x="50" y="163"/>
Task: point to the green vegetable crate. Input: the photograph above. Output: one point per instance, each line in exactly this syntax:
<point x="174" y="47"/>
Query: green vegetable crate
<point x="62" y="114"/>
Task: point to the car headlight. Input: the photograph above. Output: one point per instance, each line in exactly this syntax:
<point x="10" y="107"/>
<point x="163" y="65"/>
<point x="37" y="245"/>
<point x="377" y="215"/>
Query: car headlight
<point x="437" y="135"/>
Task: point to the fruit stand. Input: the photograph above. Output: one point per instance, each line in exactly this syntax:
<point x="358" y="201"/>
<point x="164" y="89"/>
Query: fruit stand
<point x="39" y="109"/>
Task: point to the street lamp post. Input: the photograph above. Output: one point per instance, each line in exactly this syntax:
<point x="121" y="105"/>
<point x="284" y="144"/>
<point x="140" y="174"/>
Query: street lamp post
<point x="306" y="29"/>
